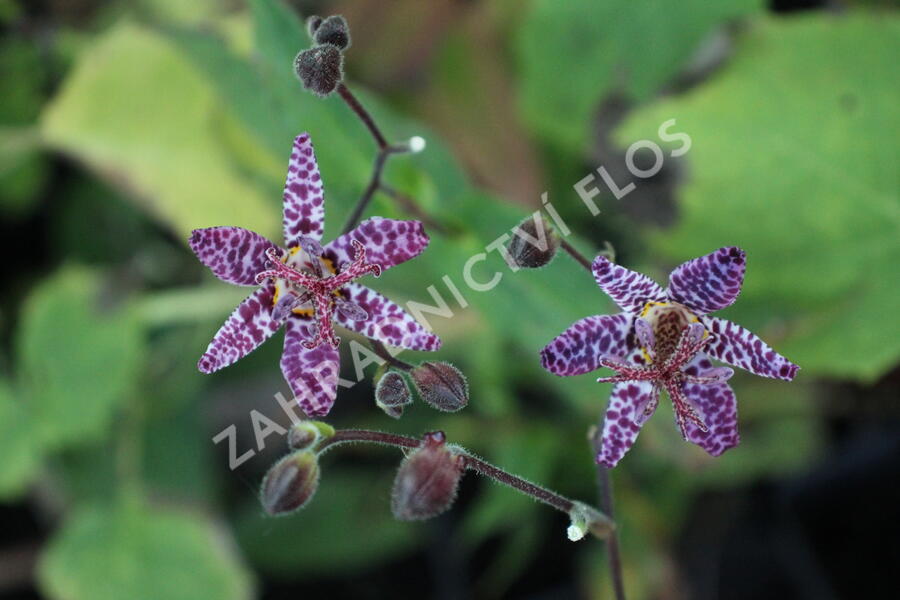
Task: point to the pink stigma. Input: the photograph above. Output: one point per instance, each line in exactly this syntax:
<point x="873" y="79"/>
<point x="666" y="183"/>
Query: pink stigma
<point x="318" y="290"/>
<point x="668" y="373"/>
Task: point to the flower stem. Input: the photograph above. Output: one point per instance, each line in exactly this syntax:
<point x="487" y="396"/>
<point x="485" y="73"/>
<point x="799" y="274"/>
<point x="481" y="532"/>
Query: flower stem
<point x="374" y="185"/>
<point x="605" y="494"/>
<point x="473" y="463"/>
<point x="389" y="358"/>
<point x="364" y="116"/>
<point x="578" y="256"/>
<point x="604" y="482"/>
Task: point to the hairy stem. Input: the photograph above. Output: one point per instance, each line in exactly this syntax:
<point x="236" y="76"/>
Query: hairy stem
<point x="473" y="463"/>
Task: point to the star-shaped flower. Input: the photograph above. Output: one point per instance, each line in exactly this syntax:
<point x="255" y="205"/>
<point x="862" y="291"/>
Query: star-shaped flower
<point x="307" y="286"/>
<point x="663" y="340"/>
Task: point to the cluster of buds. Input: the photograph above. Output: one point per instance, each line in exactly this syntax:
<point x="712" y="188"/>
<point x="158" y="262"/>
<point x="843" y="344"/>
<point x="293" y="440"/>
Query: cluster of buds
<point x="321" y="68"/>
<point x="439" y="384"/>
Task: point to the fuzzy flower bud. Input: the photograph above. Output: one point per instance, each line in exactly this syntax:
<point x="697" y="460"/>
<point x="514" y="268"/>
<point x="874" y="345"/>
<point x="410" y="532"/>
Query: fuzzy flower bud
<point x="392" y="394"/>
<point x="290" y="483"/>
<point x="427" y="481"/>
<point x="320" y="69"/>
<point x="305" y="434"/>
<point x="586" y="519"/>
<point x="441" y="385"/>
<point x="333" y="30"/>
<point x="312" y="24"/>
<point x="534" y="243"/>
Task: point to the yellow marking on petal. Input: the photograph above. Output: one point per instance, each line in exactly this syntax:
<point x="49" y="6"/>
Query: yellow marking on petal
<point x="294" y="250"/>
<point x="303" y="312"/>
<point x="650" y="305"/>
<point x="275" y="296"/>
<point x="329" y="265"/>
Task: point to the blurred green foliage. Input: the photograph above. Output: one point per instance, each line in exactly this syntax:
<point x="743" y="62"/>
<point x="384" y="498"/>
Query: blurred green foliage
<point x="186" y="112"/>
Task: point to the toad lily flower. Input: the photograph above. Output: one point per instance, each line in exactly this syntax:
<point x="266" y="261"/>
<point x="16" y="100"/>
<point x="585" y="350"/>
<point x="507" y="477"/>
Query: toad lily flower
<point x="662" y="341"/>
<point x="306" y="286"/>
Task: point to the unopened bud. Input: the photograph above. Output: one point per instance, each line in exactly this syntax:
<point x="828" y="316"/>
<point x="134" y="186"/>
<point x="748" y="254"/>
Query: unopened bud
<point x="586" y="519"/>
<point x="392" y="394"/>
<point x="305" y="434"/>
<point x="441" y="385"/>
<point x="312" y="24"/>
<point x="290" y="483"/>
<point x="320" y="69"/>
<point x="427" y="481"/>
<point x="534" y="243"/>
<point x="333" y="30"/>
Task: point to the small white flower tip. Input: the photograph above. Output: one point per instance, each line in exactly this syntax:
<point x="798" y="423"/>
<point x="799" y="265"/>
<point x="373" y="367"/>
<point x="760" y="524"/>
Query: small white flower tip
<point x="416" y="144"/>
<point x="575" y="532"/>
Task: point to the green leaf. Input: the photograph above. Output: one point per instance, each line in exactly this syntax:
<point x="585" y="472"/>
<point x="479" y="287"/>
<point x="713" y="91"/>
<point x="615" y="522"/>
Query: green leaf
<point x="79" y="359"/>
<point x="795" y="163"/>
<point x="574" y="53"/>
<point x="135" y="111"/>
<point x="136" y="552"/>
<point x="18" y="445"/>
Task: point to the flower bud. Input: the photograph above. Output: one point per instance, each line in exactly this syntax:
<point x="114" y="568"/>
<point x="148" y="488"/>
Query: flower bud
<point x="320" y="69"/>
<point x="392" y="394"/>
<point x="441" y="385"/>
<point x="427" y="481"/>
<point x="586" y="519"/>
<point x="333" y="30"/>
<point x="312" y="24"/>
<point x="290" y="483"/>
<point x="534" y="243"/>
<point x="305" y="434"/>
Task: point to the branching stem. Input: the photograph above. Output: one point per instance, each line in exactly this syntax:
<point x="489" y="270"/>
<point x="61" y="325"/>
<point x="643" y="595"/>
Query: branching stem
<point x="473" y="463"/>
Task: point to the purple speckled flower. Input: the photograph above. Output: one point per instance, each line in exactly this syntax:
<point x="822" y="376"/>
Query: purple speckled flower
<point x="307" y="286"/>
<point x="663" y="340"/>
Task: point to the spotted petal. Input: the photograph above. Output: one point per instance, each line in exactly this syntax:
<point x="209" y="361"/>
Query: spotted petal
<point x="629" y="289"/>
<point x="739" y="347"/>
<point x="709" y="283"/>
<point x="581" y="347"/>
<point x="304" y="199"/>
<point x="629" y="405"/>
<point x="248" y="326"/>
<point x="311" y="374"/>
<point x="234" y="255"/>
<point x="717" y="407"/>
<point x="388" y="242"/>
<point x="386" y="322"/>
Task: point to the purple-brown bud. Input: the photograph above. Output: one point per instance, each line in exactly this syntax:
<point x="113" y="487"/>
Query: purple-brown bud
<point x="534" y="243"/>
<point x="290" y="483"/>
<point x="392" y="394"/>
<point x="333" y="30"/>
<point x="312" y="24"/>
<point x="320" y="69"/>
<point x="441" y="385"/>
<point x="427" y="481"/>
